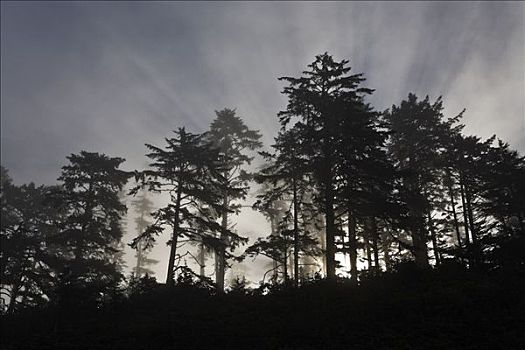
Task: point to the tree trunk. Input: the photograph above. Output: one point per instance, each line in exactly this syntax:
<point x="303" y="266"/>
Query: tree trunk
<point x="366" y="248"/>
<point x="285" y="265"/>
<point x="468" y="198"/>
<point x="352" y="245"/>
<point x="477" y="253"/>
<point x="417" y="224"/>
<point x="275" y="262"/>
<point x="375" y="249"/>
<point x="202" y="260"/>
<point x="139" y="260"/>
<point x="420" y="248"/>
<point x="139" y="247"/>
<point x="330" y="232"/>
<point x="220" y="255"/>
<point x="453" y="205"/>
<point x="386" y="251"/>
<point x="170" y="280"/>
<point x="419" y="240"/>
<point x="295" y="235"/>
<point x="327" y="181"/>
<point x="464" y="207"/>
<point x="435" y="247"/>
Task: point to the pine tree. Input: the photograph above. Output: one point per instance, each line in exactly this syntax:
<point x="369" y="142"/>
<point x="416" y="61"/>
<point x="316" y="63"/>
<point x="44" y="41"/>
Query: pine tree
<point x="318" y="102"/>
<point x="233" y="138"/>
<point x="416" y="145"/>
<point x="92" y="229"/>
<point x="503" y="190"/>
<point x="27" y="251"/>
<point x="287" y="178"/>
<point x="191" y="171"/>
<point x="365" y="178"/>
<point x="274" y="210"/>
<point x="143" y="208"/>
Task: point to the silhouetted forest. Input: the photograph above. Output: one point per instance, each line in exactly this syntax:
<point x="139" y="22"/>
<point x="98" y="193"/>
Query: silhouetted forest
<point x="431" y="220"/>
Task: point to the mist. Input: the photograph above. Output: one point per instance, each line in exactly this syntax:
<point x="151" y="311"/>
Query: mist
<point x="109" y="77"/>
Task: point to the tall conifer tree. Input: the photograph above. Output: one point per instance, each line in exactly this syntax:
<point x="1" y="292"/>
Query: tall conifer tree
<point x="191" y="171"/>
<point x="318" y="103"/>
<point x="233" y="139"/>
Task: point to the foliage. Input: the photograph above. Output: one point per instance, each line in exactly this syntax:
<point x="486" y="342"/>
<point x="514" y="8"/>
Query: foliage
<point x="233" y="139"/>
<point x="190" y="171"/>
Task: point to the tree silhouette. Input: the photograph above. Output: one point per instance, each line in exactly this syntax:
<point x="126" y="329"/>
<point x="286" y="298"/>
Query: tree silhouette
<point x="27" y="252"/>
<point x="416" y="146"/>
<point x="318" y="102"/>
<point x="143" y="207"/>
<point x="286" y="177"/>
<point x="91" y="230"/>
<point x="274" y="210"/>
<point x="233" y="138"/>
<point x="191" y="171"/>
<point x="364" y="178"/>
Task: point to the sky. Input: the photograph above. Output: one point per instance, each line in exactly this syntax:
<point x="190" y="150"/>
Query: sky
<point x="111" y="76"/>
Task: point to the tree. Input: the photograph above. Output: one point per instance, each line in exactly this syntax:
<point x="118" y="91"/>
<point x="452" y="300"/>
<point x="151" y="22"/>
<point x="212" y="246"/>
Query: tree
<point x="504" y="187"/>
<point x="492" y="189"/>
<point x="26" y="253"/>
<point x="91" y="230"/>
<point x="143" y="208"/>
<point x="318" y="102"/>
<point x="286" y="179"/>
<point x="364" y="177"/>
<point x="233" y="138"/>
<point x="190" y="170"/>
<point x="274" y="211"/>
<point x="416" y="145"/>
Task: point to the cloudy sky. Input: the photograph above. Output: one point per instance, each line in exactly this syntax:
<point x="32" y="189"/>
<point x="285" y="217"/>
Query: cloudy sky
<point x="111" y="76"/>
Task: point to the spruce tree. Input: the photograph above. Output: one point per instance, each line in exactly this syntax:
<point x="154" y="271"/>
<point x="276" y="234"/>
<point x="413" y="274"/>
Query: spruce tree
<point x="143" y="207"/>
<point x="191" y="171"/>
<point x="233" y="139"/>
<point x="28" y="249"/>
<point x="91" y="231"/>
<point x="318" y="103"/>
<point x="416" y="145"/>
<point x="288" y="179"/>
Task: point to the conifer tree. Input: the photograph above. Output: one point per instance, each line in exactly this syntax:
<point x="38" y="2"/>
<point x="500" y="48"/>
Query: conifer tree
<point x="92" y="229"/>
<point x="274" y="210"/>
<point x="287" y="179"/>
<point x="504" y="187"/>
<point x="143" y="208"/>
<point x="27" y="251"/>
<point x="365" y="178"/>
<point x="233" y="139"/>
<point x="416" y="145"/>
<point x="190" y="170"/>
<point x="318" y="103"/>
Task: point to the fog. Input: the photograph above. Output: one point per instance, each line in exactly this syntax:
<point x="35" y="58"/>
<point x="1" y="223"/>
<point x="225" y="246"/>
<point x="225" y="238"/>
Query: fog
<point x="109" y="77"/>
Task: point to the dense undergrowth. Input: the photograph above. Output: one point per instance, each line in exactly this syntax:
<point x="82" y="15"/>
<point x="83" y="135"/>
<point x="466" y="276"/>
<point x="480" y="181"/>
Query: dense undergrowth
<point x="445" y="308"/>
